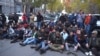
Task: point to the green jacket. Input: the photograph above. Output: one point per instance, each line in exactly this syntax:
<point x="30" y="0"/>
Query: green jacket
<point x="93" y="41"/>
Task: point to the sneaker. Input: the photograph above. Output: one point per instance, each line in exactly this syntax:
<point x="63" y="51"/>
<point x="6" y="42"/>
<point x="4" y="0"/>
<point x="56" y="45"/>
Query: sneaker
<point x="75" y="49"/>
<point x="86" y="53"/>
<point x="13" y="42"/>
<point x="90" y="53"/>
<point x="22" y="44"/>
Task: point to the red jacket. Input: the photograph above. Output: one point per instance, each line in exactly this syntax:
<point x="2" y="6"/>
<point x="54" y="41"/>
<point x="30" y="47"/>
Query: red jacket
<point x="24" y="17"/>
<point x="87" y="20"/>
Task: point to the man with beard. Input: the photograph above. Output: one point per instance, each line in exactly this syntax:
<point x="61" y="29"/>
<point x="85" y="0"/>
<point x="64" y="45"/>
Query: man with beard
<point x="56" y="41"/>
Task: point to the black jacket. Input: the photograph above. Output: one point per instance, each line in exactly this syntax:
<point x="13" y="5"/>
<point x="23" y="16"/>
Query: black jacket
<point x="3" y="18"/>
<point x="93" y="42"/>
<point x="39" y="18"/>
<point x="62" y="19"/>
<point x="70" y="39"/>
<point x="15" y="17"/>
<point x="55" y="39"/>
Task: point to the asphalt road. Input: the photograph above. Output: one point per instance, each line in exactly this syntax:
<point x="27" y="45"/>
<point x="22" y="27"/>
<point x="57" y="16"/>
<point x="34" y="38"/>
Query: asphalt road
<point x="14" y="49"/>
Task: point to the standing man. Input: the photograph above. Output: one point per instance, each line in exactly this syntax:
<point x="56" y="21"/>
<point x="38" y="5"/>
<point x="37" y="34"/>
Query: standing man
<point x="87" y="24"/>
<point x="80" y="19"/>
<point x="62" y="18"/>
<point x="15" y="18"/>
<point x="10" y="18"/>
<point x="3" y="18"/>
<point x="39" y="20"/>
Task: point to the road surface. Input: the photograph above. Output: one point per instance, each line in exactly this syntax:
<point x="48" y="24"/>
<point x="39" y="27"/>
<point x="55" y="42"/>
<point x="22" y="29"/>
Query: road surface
<point x="14" y="49"/>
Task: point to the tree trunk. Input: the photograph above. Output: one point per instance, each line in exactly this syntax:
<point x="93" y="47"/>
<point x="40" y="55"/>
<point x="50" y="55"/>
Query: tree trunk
<point x="24" y="10"/>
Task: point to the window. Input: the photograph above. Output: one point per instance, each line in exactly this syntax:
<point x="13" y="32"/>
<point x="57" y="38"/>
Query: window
<point x="11" y="1"/>
<point x="19" y="0"/>
<point x="0" y="8"/>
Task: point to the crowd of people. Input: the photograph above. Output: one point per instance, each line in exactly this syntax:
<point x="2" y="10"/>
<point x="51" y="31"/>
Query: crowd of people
<point x="57" y="36"/>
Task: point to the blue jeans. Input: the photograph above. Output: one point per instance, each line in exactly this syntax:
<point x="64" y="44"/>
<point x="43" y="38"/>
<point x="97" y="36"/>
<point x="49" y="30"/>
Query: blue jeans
<point x="87" y="29"/>
<point x="30" y="40"/>
<point x="43" y="45"/>
<point x="39" y="25"/>
<point x="66" y="46"/>
<point x="11" y="35"/>
<point x="5" y="35"/>
<point x="80" y="24"/>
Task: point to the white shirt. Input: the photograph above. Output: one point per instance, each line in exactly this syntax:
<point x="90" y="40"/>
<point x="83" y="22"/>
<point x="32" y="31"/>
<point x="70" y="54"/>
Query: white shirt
<point x="64" y="35"/>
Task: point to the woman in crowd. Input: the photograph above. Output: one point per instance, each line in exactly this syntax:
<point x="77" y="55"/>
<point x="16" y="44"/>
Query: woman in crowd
<point x="81" y="41"/>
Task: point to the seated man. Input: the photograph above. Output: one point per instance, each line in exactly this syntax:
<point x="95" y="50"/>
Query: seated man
<point x="56" y="41"/>
<point x="64" y="35"/>
<point x="19" y="31"/>
<point x="93" y="43"/>
<point x="27" y="33"/>
<point x="4" y="33"/>
<point x="42" y="41"/>
<point x="30" y="39"/>
<point x="11" y="32"/>
<point x="69" y="41"/>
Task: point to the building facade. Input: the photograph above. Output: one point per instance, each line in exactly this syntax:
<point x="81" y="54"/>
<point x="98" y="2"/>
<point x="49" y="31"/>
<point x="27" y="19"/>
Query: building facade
<point x="18" y="6"/>
<point x="6" y="6"/>
<point x="10" y="6"/>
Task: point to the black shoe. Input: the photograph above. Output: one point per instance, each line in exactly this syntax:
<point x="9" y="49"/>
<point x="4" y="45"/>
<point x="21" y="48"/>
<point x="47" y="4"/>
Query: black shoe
<point x="37" y="48"/>
<point x="61" y="51"/>
<point x="42" y="51"/>
<point x="1" y="38"/>
<point x="13" y="42"/>
<point x="22" y="44"/>
<point x="33" y="46"/>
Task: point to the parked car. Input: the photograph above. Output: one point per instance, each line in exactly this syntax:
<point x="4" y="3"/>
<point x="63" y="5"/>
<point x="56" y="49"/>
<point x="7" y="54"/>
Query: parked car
<point x="48" y="17"/>
<point x="97" y="23"/>
<point x="20" y="17"/>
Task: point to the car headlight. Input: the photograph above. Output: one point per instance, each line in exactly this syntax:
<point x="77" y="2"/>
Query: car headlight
<point x="98" y="23"/>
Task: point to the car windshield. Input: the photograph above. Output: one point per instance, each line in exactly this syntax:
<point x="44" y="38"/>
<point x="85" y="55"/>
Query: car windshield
<point x="49" y="17"/>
